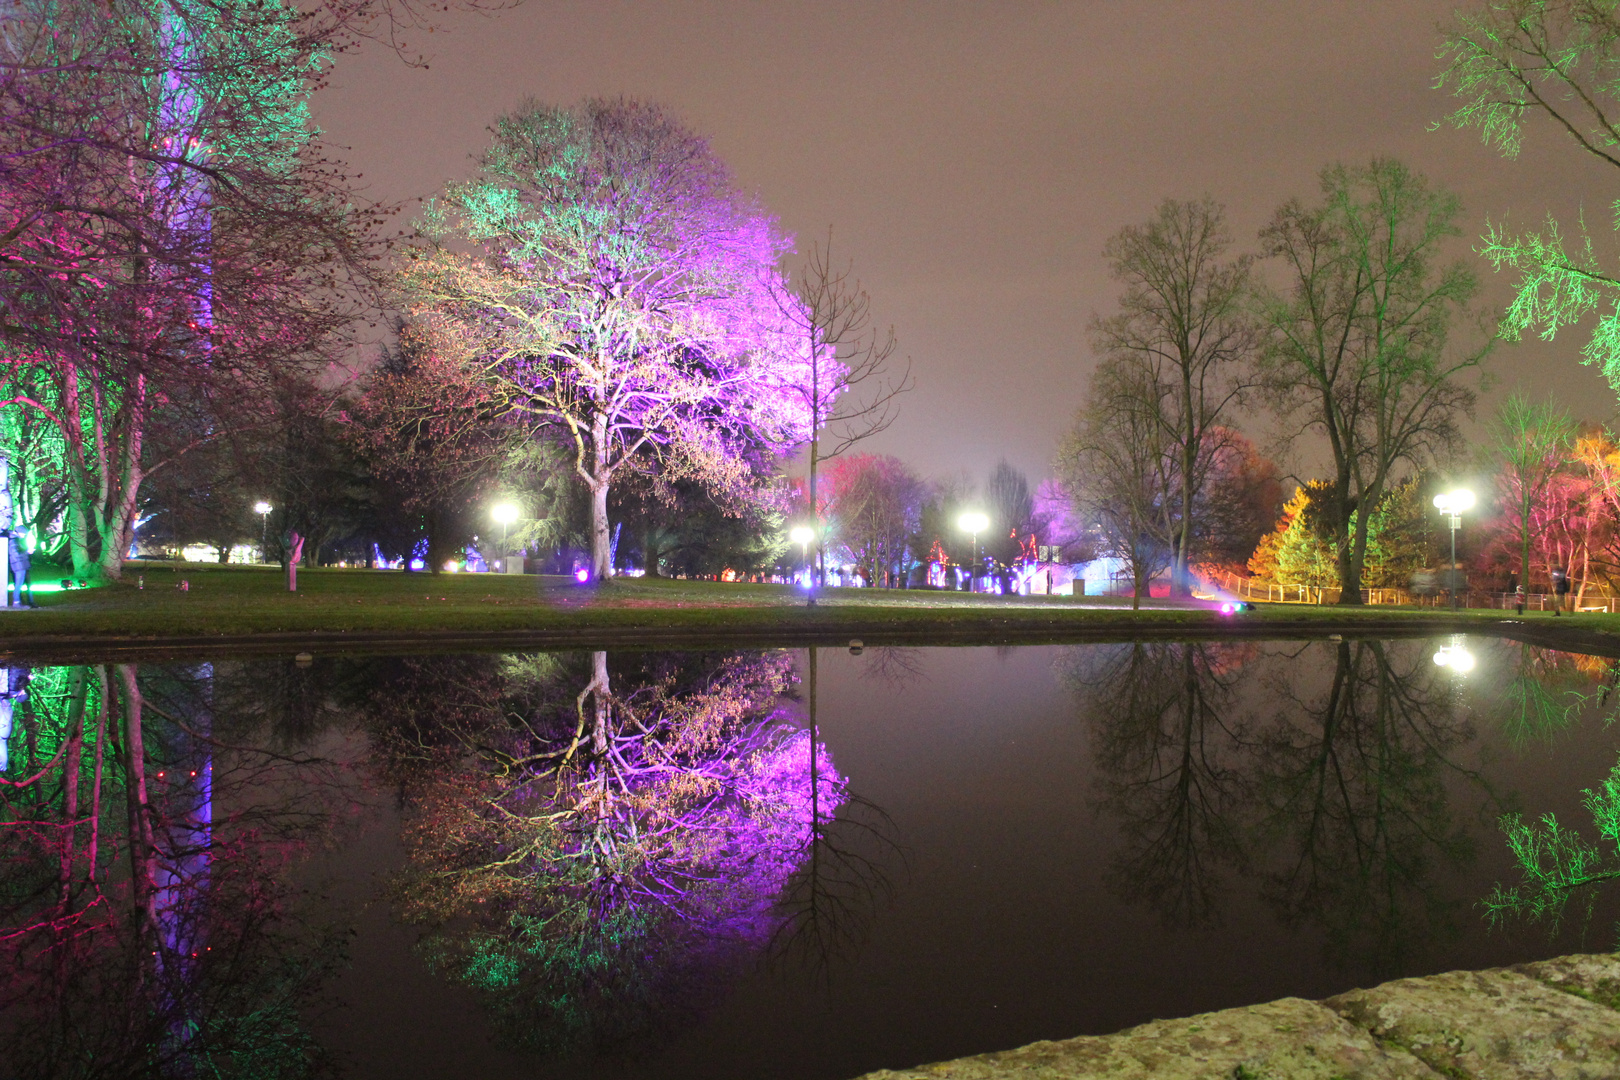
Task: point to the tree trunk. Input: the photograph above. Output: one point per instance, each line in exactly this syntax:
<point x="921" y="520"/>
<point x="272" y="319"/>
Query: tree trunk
<point x="601" y="539"/>
<point x="818" y="573"/>
<point x="1524" y="529"/>
<point x="601" y="476"/>
<point x="142" y="848"/>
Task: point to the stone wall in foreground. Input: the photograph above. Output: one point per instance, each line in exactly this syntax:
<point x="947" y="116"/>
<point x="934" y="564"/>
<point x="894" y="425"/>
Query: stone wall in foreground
<point x="1554" y="1020"/>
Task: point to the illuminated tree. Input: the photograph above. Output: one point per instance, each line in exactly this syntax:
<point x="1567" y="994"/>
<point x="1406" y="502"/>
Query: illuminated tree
<point x="625" y="295"/>
<point x="434" y="445"/>
<point x="173" y="236"/>
<point x="1361" y="348"/>
<point x="1185" y="324"/>
<point x="1554" y="58"/>
<point x="1530" y="441"/>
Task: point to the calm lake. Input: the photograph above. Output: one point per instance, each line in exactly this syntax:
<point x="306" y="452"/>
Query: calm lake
<point x="712" y="865"/>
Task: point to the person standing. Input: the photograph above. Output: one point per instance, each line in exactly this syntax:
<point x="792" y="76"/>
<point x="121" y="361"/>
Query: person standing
<point x="20" y="565"/>
<point x="1560" y="590"/>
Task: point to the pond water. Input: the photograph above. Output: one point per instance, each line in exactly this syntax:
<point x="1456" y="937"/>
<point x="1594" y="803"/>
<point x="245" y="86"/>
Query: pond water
<point x="714" y="865"/>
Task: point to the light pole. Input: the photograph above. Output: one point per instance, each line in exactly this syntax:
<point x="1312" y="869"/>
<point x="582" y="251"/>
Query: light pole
<point x="802" y="535"/>
<point x="263" y="509"/>
<point x="975" y="523"/>
<point x="1454" y="503"/>
<point x="504" y="514"/>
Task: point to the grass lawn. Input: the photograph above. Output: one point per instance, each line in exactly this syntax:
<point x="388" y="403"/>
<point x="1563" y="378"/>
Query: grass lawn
<point x="234" y="602"/>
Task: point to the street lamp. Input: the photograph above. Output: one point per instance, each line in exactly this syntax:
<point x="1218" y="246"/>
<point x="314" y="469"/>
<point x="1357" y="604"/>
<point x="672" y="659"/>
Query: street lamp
<point x="802" y="535"/>
<point x="1454" y="503"/>
<point x="503" y="513"/>
<point x="975" y="523"/>
<point x="263" y="509"/>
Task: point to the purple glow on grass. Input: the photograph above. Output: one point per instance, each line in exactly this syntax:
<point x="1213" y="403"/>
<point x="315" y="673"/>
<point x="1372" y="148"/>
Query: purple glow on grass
<point x="582" y="575"/>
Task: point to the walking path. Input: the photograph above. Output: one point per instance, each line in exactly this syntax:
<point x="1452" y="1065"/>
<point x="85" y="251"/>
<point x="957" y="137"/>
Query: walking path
<point x="1554" y="1020"/>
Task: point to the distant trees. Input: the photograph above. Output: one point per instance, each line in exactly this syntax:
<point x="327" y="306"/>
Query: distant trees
<point x="1013" y="526"/>
<point x="1186" y="329"/>
<point x="876" y="502"/>
<point x="1361" y="345"/>
<point x="623" y="293"/>
<point x="1239" y="503"/>
<point x="1118" y="466"/>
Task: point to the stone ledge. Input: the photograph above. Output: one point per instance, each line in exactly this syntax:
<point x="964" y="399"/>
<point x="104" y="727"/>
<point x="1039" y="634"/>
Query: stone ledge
<point x="1553" y="1020"/>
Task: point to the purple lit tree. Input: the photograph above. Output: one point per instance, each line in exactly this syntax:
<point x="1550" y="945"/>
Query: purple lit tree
<point x="624" y="297"/>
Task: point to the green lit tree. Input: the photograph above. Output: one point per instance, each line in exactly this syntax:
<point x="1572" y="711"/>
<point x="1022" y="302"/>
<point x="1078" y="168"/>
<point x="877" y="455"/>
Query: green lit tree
<point x="1362" y="348"/>
<point x="1557" y="865"/>
<point x="1512" y="59"/>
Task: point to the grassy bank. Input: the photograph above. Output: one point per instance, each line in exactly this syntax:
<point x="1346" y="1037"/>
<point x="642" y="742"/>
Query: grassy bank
<point x="374" y="608"/>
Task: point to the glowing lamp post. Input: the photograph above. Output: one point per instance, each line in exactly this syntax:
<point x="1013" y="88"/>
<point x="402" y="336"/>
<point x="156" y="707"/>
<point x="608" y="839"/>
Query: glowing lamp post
<point x="263" y="509"/>
<point x="503" y="514"/>
<point x="802" y="535"/>
<point x="1454" y="503"/>
<point x="975" y="523"/>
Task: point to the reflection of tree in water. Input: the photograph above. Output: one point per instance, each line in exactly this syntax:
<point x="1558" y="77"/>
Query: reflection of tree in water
<point x="1537" y="693"/>
<point x="1351" y="786"/>
<point x="145" y="926"/>
<point x="1336" y="799"/>
<point x="833" y="897"/>
<point x="1558" y="866"/>
<point x="1160" y="712"/>
<point x="596" y="862"/>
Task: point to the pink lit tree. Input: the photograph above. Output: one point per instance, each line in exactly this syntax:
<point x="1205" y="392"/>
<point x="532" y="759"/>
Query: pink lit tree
<point x="623" y="297"/>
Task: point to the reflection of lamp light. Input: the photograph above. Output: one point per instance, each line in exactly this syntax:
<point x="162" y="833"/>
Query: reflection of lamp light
<point x="1455" y="657"/>
<point x="263" y="509"/>
<point x="1454" y="503"/>
<point x="802" y="535"/>
<point x="975" y="523"/>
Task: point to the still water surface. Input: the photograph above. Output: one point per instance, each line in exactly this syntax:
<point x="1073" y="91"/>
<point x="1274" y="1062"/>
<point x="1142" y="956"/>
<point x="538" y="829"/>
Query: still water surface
<point x="713" y="865"/>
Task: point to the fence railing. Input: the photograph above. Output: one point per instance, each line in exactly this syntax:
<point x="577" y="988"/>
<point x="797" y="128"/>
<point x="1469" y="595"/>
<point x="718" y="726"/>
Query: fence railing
<point x="1282" y="593"/>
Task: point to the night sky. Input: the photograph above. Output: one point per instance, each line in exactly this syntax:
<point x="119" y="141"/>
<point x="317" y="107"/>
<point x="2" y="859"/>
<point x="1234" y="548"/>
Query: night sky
<point x="973" y="158"/>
